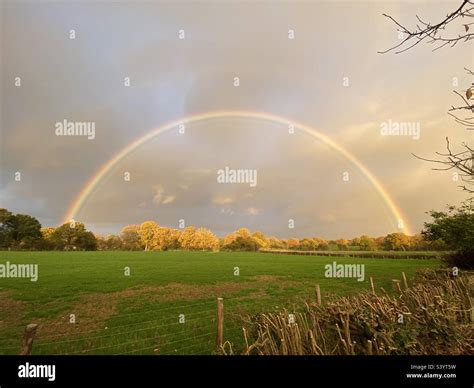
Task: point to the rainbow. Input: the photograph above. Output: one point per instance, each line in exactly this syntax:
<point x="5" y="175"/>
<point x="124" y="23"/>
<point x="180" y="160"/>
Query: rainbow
<point x="93" y="182"/>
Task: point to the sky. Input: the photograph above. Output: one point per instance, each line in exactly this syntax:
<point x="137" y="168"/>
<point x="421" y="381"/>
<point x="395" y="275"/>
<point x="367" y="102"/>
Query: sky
<point x="329" y="77"/>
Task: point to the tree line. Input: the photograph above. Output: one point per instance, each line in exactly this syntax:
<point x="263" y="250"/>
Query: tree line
<point x="20" y="231"/>
<point x="151" y="236"/>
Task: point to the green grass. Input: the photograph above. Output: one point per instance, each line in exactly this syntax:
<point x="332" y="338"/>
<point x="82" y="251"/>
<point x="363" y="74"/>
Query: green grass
<point x="140" y="313"/>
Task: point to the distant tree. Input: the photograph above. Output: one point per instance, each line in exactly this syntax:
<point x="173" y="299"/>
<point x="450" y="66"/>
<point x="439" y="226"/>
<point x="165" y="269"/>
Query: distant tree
<point x="355" y="243"/>
<point x="321" y="244"/>
<point x="198" y="239"/>
<point x="47" y="232"/>
<point x="173" y="239"/>
<point x="417" y="242"/>
<point x="6" y="228"/>
<point x="147" y="232"/>
<point x="101" y="242"/>
<point x="205" y="240"/>
<point x="379" y="242"/>
<point x="396" y="242"/>
<point x="166" y="238"/>
<point x="342" y="244"/>
<point x="186" y="239"/>
<point x="307" y="244"/>
<point x="19" y="231"/>
<point x="113" y="242"/>
<point x="274" y="243"/>
<point x="242" y="240"/>
<point x="46" y="243"/>
<point x="242" y="244"/>
<point x="293" y="243"/>
<point x="25" y="232"/>
<point x="260" y="239"/>
<point x="366" y="243"/>
<point x="73" y="236"/>
<point x="456" y="228"/>
<point x="131" y="238"/>
<point x="284" y="243"/>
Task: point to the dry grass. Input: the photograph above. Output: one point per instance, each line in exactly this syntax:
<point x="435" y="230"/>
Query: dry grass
<point x="437" y="313"/>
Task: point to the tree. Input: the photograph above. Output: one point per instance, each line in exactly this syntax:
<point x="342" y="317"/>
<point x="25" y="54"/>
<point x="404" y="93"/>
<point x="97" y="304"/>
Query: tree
<point x="433" y="33"/>
<point x="206" y="240"/>
<point x="275" y="243"/>
<point x="73" y="236"/>
<point x="173" y="239"/>
<point x="379" y="242"/>
<point x="242" y="244"/>
<point x="113" y="243"/>
<point x="366" y="243"/>
<point x="307" y="244"/>
<point x="24" y="231"/>
<point x="456" y="228"/>
<point x="47" y="243"/>
<point x="147" y="233"/>
<point x="198" y="239"/>
<point x="260" y="239"/>
<point x="186" y="238"/>
<point x="131" y="238"/>
<point x="342" y="244"/>
<point x="320" y="243"/>
<point x="101" y="242"/>
<point x="293" y="243"/>
<point x="460" y="161"/>
<point x="6" y="228"/>
<point x="241" y="240"/>
<point x="47" y="232"/>
<point x="396" y="242"/>
<point x="165" y="238"/>
<point x="355" y="242"/>
<point x="19" y="231"/>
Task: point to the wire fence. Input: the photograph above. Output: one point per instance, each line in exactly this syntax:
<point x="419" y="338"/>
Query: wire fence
<point x="182" y="328"/>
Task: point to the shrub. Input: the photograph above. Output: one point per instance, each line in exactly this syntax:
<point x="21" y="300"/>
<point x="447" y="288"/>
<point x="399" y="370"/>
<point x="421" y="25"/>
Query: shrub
<point x="437" y="319"/>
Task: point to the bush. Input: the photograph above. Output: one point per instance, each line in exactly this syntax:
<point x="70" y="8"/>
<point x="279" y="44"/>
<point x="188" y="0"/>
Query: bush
<point x="460" y="259"/>
<point x="456" y="228"/>
<point x="437" y="319"/>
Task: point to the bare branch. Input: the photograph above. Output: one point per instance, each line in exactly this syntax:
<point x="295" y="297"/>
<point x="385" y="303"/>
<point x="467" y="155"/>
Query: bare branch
<point x="430" y="33"/>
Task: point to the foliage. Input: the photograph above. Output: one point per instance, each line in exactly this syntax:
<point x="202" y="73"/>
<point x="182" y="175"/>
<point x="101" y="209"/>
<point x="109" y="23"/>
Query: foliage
<point x="131" y="238"/>
<point x="19" y="231"/>
<point x="73" y="236"/>
<point x="455" y="227"/>
<point x="412" y="322"/>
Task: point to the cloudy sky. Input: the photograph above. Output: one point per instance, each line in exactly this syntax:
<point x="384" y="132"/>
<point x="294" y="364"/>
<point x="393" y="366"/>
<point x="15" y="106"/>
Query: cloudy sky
<point x="329" y="77"/>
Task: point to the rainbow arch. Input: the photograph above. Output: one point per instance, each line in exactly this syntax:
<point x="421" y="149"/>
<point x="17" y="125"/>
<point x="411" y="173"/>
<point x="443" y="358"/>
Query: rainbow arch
<point x="94" y="181"/>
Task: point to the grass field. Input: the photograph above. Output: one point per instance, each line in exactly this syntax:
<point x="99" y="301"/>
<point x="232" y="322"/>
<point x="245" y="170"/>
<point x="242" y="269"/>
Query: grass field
<point x="168" y="303"/>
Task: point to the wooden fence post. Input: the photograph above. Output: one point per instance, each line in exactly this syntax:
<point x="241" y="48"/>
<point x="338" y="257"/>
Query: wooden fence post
<point x="369" y="347"/>
<point x="28" y="337"/>
<point x="220" y="322"/>
<point x="405" y="283"/>
<point x="318" y="294"/>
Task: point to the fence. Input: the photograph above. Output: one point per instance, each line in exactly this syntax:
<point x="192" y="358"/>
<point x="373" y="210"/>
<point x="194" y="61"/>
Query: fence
<point x="184" y="328"/>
